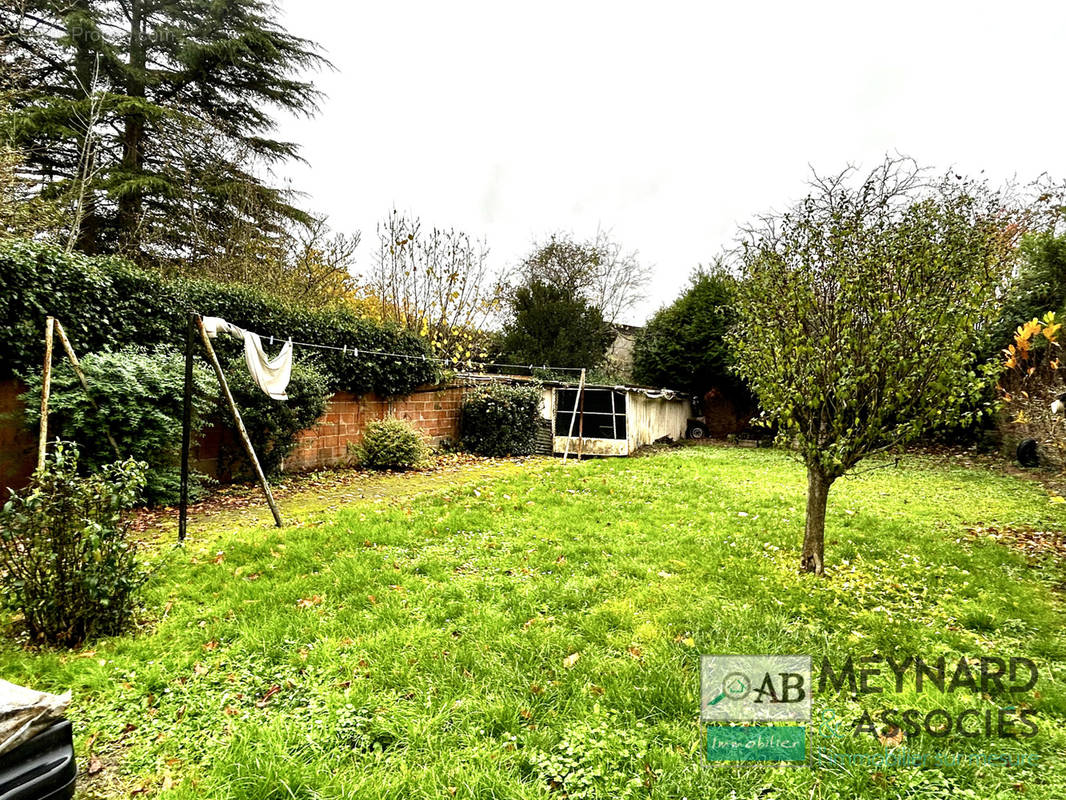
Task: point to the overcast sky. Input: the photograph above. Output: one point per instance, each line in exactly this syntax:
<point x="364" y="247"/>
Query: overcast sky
<point x="667" y="123"/>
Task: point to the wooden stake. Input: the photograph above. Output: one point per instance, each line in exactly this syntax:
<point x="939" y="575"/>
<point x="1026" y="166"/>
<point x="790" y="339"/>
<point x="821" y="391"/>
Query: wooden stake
<point x="73" y="359"/>
<point x="46" y="390"/>
<point x="240" y="423"/>
<point x="573" y="415"/>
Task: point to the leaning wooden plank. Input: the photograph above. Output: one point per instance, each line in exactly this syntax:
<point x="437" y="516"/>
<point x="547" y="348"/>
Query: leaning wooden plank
<point x="240" y="423"/>
<point x="73" y="359"/>
<point x="573" y="415"/>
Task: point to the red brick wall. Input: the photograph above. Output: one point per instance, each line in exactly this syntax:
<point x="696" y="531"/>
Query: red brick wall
<point x="18" y="447"/>
<point x="434" y="412"/>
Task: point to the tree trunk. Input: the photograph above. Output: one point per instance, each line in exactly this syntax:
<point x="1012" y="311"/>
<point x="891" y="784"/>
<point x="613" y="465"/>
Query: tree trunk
<point x="130" y="202"/>
<point x="88" y="232"/>
<point x="818" y="484"/>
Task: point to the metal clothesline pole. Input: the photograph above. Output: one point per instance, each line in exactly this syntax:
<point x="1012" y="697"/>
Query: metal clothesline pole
<point x="186" y="427"/>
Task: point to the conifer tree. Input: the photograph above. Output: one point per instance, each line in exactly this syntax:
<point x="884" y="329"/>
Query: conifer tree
<point x="157" y="115"/>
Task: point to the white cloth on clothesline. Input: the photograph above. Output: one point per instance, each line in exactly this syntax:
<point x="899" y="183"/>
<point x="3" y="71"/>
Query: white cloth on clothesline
<point x="270" y="374"/>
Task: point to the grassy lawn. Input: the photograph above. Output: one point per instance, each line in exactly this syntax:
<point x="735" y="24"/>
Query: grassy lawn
<point x="496" y="635"/>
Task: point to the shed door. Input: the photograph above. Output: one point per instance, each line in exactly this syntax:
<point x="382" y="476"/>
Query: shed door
<point x="604" y="415"/>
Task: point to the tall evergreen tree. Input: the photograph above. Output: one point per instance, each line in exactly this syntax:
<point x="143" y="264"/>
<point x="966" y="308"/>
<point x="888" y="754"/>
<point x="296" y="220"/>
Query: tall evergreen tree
<point x="153" y="118"/>
<point x="550" y="325"/>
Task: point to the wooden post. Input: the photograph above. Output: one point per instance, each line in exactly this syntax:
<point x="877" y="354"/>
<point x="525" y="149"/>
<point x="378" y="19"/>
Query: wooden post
<point x="186" y="428"/>
<point x="46" y="389"/>
<point x="573" y="415"/>
<point x="240" y="423"/>
<point x="73" y="359"/>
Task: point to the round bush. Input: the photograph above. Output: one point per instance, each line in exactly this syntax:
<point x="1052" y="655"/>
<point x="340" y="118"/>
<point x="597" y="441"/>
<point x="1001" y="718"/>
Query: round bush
<point x="389" y="444"/>
<point x="500" y="420"/>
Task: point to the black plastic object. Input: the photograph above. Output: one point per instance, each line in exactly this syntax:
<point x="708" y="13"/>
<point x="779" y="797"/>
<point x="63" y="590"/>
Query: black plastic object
<point x="1027" y="453"/>
<point x="42" y="768"/>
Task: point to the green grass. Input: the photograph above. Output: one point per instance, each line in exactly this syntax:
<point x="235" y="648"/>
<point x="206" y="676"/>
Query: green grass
<point x="417" y="647"/>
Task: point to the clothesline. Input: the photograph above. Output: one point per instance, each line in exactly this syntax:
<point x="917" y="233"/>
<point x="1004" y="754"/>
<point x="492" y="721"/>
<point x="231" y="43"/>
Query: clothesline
<point x="425" y="358"/>
<point x="356" y="351"/>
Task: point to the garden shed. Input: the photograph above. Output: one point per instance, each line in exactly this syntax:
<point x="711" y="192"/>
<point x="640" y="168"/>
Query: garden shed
<point x="612" y="420"/>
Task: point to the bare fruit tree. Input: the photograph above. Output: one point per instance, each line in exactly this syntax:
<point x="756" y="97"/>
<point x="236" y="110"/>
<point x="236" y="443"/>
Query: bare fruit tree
<point x="437" y="283"/>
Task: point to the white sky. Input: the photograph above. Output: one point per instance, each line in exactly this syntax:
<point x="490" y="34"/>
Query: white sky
<point x="668" y="123"/>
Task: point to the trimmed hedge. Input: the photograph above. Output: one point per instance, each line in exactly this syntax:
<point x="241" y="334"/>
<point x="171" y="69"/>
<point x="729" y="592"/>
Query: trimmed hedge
<point x="500" y="420"/>
<point x="105" y="303"/>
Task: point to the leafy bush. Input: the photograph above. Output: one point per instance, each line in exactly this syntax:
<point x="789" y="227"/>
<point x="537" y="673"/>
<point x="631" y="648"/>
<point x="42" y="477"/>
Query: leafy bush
<point x="272" y="425"/>
<point x="554" y="326"/>
<point x="598" y="756"/>
<point x="68" y="565"/>
<point x="389" y="444"/>
<point x="106" y="303"/>
<point x="500" y="420"/>
<point x="138" y="398"/>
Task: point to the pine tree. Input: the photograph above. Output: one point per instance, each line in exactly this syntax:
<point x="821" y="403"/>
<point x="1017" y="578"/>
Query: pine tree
<point x="157" y="116"/>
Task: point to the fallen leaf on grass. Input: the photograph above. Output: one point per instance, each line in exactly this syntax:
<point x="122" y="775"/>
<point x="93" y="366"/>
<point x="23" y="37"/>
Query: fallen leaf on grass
<point x="570" y="660"/>
<point x="635" y="651"/>
<point x="265" y="699"/>
<point x="894" y="738"/>
<point x="308" y="602"/>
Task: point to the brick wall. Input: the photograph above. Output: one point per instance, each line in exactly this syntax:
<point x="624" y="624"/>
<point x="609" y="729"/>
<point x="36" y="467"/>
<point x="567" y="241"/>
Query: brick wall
<point x="18" y="446"/>
<point x="434" y="412"/>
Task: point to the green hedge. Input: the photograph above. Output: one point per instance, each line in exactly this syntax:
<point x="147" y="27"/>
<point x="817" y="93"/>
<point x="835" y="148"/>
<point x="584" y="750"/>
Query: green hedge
<point x="500" y="420"/>
<point x="137" y="397"/>
<point x="104" y="303"/>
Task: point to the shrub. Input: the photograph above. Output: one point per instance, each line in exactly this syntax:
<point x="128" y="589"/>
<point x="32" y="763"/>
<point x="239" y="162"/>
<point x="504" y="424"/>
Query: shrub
<point x="500" y="420"/>
<point x="68" y="565"/>
<point x="389" y="444"/>
<point x="138" y="398"/>
<point x="272" y="425"/>
<point x="106" y="303"/>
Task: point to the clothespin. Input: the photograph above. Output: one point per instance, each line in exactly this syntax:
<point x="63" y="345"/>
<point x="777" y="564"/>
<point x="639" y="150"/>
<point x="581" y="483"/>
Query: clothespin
<point x="355" y="352"/>
<point x="271" y="340"/>
<point x="345" y="350"/>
